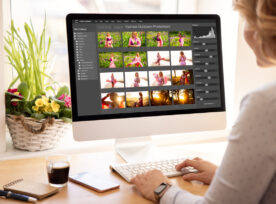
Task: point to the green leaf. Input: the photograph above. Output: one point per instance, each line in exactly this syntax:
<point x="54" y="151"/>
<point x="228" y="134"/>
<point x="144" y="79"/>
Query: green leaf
<point x="66" y="120"/>
<point x="28" y="56"/>
<point x="62" y="103"/>
<point x="28" y="110"/>
<point x="16" y="100"/>
<point x="13" y="81"/>
<point x="23" y="89"/>
<point x="47" y="75"/>
<point x="13" y="95"/>
<point x="63" y="90"/>
<point x="8" y="111"/>
<point x="38" y="116"/>
<point x="50" y="88"/>
<point x="51" y="114"/>
<point x="67" y="112"/>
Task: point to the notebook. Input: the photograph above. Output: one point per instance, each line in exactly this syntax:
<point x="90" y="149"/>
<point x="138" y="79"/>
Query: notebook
<point x="30" y="188"/>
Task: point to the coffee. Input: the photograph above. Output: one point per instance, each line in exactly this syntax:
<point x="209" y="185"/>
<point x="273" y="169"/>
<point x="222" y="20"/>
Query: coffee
<point x="58" y="172"/>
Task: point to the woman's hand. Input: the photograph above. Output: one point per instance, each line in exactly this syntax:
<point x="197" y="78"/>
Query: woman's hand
<point x="206" y="170"/>
<point x="146" y="183"/>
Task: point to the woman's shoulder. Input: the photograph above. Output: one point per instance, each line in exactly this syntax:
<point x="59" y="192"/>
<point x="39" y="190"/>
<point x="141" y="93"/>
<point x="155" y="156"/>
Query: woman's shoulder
<point x="267" y="88"/>
<point x="257" y="119"/>
<point x="267" y="92"/>
<point x="261" y="99"/>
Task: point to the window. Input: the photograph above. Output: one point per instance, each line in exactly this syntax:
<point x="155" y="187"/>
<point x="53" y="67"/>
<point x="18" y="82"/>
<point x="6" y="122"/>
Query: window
<point x="56" y="10"/>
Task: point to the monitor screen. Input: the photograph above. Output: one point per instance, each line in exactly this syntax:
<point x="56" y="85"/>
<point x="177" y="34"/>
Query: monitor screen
<point x="144" y="65"/>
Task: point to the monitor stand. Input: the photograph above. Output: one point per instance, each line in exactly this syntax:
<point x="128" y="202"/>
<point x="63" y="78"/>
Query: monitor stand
<point x="136" y="149"/>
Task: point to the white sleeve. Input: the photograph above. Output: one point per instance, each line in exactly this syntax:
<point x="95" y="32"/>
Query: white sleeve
<point x="249" y="162"/>
<point x="176" y="195"/>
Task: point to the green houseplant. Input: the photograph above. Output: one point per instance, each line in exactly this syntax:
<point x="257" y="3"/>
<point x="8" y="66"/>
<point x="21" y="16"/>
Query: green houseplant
<point x="36" y="106"/>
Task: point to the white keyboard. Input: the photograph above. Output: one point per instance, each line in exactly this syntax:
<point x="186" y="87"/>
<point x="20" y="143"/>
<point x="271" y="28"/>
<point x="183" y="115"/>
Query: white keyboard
<point x="167" y="167"/>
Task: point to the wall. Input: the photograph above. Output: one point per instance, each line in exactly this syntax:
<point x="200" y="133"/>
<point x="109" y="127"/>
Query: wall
<point x="248" y="75"/>
<point x="229" y="32"/>
<point x="2" y="85"/>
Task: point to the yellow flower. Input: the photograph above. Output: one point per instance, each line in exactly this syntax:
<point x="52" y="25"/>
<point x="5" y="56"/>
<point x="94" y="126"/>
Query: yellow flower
<point x="55" y="106"/>
<point x="35" y="108"/>
<point x="39" y="102"/>
<point x="48" y="108"/>
<point x="16" y="93"/>
<point x="45" y="100"/>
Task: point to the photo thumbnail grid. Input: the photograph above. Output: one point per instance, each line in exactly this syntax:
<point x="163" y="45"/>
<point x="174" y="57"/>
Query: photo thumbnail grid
<point x="131" y="99"/>
<point x="144" y="39"/>
<point x="145" y="79"/>
<point x="145" y="59"/>
<point x="164" y="58"/>
<point x="136" y="79"/>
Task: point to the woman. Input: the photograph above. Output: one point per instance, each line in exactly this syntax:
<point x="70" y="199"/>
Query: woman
<point x="160" y="79"/>
<point x="182" y="59"/>
<point x="184" y="78"/>
<point x="108" y="40"/>
<point x="159" y="40"/>
<point x="181" y="39"/>
<point x="136" y="80"/>
<point x="112" y="61"/>
<point x="248" y="171"/>
<point x="134" y="40"/>
<point x="140" y="102"/>
<point x="158" y="60"/>
<point x="113" y="103"/>
<point x="112" y="80"/>
<point x="136" y="61"/>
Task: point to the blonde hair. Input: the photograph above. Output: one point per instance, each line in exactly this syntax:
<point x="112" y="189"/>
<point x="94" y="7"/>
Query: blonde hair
<point x="261" y="16"/>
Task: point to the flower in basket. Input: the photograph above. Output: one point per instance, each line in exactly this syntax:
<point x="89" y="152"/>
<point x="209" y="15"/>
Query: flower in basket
<point x="40" y="107"/>
<point x="15" y="92"/>
<point x="45" y="105"/>
<point x="66" y="99"/>
<point x="37" y="95"/>
<point x="34" y="100"/>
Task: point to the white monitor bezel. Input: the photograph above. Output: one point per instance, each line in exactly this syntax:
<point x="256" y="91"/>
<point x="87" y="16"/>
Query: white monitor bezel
<point x="146" y="123"/>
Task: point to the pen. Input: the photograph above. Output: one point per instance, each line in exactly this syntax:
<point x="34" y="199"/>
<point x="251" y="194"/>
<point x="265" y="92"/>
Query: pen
<point x="9" y="194"/>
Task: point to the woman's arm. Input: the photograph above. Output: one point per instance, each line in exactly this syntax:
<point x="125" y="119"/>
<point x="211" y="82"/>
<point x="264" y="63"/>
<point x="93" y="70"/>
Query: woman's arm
<point x="104" y="98"/>
<point x="138" y="42"/>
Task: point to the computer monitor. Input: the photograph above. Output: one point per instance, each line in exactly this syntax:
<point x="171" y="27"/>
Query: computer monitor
<point x="141" y="75"/>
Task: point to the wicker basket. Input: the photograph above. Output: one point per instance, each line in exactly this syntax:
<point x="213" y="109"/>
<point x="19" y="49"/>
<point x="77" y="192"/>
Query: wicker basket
<point x="35" y="135"/>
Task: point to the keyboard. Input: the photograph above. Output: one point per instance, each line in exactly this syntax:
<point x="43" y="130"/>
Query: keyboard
<point x="167" y="167"/>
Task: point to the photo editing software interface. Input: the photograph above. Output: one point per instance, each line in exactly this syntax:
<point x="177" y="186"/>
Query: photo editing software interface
<point x="132" y="66"/>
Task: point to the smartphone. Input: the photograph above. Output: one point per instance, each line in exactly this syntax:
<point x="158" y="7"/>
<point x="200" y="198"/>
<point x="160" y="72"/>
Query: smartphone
<point x="94" y="182"/>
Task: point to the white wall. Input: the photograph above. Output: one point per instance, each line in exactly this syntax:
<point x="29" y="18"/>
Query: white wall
<point x="229" y="32"/>
<point x="2" y="85"/>
<point x="248" y="75"/>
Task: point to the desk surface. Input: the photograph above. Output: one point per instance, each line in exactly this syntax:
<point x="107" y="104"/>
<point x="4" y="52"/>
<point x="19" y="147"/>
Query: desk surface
<point x="35" y="169"/>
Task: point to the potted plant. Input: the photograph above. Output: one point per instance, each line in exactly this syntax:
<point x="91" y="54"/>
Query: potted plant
<point x="36" y="114"/>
